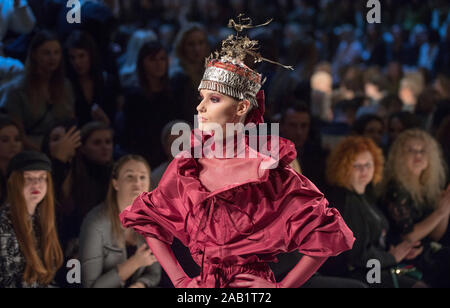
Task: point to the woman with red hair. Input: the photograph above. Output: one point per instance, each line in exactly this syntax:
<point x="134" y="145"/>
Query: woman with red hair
<point x="30" y="253"/>
<point x="353" y="167"/>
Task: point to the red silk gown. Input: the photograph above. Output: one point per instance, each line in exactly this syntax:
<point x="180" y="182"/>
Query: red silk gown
<point x="239" y="227"/>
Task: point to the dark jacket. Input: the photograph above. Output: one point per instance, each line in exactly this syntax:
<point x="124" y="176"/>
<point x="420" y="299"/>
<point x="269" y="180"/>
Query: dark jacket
<point x="369" y="226"/>
<point x="12" y="260"/>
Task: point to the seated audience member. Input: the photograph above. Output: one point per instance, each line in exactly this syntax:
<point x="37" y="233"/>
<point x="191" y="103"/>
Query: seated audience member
<point x="389" y="105"/>
<point x="370" y="125"/>
<point x="60" y="145"/>
<point x="442" y="136"/>
<point x="399" y="122"/>
<point x="410" y="88"/>
<point x="87" y="182"/>
<point x="127" y="62"/>
<point x="375" y="88"/>
<point x="10" y="145"/>
<point x="43" y="96"/>
<point x="417" y="203"/>
<point x="30" y="253"/>
<point x="427" y="103"/>
<point x="296" y="124"/>
<point x="96" y="95"/>
<point x="167" y="140"/>
<point x="191" y="47"/>
<point x="96" y="154"/>
<point x="15" y="15"/>
<point x="113" y="257"/>
<point x="321" y="91"/>
<point x="442" y="85"/>
<point x="353" y="167"/>
<point x="148" y="107"/>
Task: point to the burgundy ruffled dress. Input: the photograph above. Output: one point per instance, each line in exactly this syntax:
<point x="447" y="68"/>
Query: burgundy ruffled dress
<point x="243" y="223"/>
<point x="241" y="227"/>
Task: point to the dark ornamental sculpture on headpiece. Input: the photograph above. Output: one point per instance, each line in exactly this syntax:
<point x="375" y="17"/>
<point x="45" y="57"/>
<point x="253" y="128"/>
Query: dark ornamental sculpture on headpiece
<point x="226" y="72"/>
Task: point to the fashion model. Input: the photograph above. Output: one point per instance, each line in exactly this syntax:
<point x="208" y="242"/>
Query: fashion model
<point x="235" y="214"/>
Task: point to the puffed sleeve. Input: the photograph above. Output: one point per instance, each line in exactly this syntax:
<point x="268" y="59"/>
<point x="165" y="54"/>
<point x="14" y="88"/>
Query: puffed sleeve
<point x="311" y="226"/>
<point x="159" y="213"/>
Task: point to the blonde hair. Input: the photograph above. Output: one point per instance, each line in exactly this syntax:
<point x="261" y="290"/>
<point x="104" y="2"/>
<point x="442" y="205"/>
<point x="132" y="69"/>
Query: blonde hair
<point x="321" y="80"/>
<point x="182" y="35"/>
<point x="431" y="181"/>
<point x="414" y="81"/>
<point x="111" y="205"/>
<point x="37" y="269"/>
<point x="341" y="159"/>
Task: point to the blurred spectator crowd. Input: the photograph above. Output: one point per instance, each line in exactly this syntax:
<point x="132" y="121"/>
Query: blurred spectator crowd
<point x="367" y="107"/>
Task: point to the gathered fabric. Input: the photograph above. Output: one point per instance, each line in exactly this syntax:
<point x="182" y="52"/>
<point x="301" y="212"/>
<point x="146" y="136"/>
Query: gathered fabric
<point x="240" y="227"/>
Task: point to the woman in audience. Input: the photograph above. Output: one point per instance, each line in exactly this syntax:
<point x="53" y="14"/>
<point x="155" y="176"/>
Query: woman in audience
<point x="399" y="122"/>
<point x="60" y="145"/>
<point x="96" y="97"/>
<point x="148" y="107"/>
<point x="353" y="167"/>
<point x="191" y="49"/>
<point x="128" y="60"/>
<point x="111" y="256"/>
<point x="86" y="182"/>
<point x="43" y="96"/>
<point x="370" y="125"/>
<point x="30" y="253"/>
<point x="417" y="203"/>
<point x="167" y="140"/>
<point x="10" y="145"/>
<point x="90" y="176"/>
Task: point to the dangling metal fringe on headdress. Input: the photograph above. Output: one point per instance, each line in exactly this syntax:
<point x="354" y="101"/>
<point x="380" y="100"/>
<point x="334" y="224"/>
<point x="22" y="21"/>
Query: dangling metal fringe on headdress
<point x="226" y="72"/>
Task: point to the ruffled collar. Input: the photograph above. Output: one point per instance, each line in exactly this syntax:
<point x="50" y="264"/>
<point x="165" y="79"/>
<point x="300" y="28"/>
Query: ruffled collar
<point x="188" y="167"/>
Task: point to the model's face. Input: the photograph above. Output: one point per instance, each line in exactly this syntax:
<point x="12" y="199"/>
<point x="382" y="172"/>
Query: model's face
<point x="80" y="61"/>
<point x="10" y="142"/>
<point x="416" y="157"/>
<point x="218" y="109"/>
<point x="196" y="47"/>
<point x="133" y="179"/>
<point x="99" y="147"/>
<point x="362" y="170"/>
<point x="156" y="65"/>
<point x="48" y="56"/>
<point x="375" y="131"/>
<point x="35" y="186"/>
<point x="296" y="127"/>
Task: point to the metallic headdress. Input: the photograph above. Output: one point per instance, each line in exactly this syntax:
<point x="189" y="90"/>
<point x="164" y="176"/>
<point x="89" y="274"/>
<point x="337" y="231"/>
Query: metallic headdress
<point x="226" y="72"/>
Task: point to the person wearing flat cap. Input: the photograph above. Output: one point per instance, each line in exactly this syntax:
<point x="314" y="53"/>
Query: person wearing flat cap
<point x="30" y="252"/>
